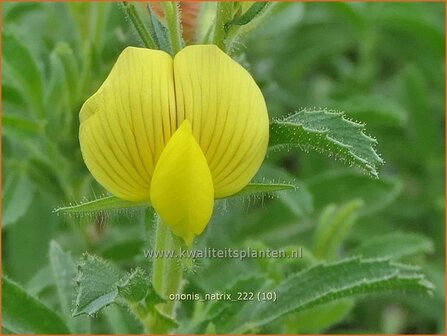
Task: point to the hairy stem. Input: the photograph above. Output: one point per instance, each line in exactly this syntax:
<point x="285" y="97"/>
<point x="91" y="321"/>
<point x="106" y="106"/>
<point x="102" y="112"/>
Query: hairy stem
<point x="167" y="272"/>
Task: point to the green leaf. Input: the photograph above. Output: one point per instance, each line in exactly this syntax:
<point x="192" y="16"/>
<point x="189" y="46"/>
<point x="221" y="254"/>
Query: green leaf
<point x="41" y="280"/>
<point x="24" y="314"/>
<point x="395" y="245"/>
<point x="152" y="298"/>
<point x="374" y="109"/>
<point x="160" y="33"/>
<point x="56" y="92"/>
<point x="64" y="271"/>
<point x="217" y="312"/>
<point x="17" y="195"/>
<point x="19" y="61"/>
<point x="123" y="250"/>
<point x="116" y="320"/>
<point x="100" y="204"/>
<point x="343" y="185"/>
<point x="248" y="16"/>
<point x="96" y="281"/>
<point x="294" y="265"/>
<point x="248" y="21"/>
<point x="42" y="172"/>
<point x="328" y="282"/>
<point x="327" y="132"/>
<point x="15" y="11"/>
<point x="12" y="98"/>
<point x="57" y="96"/>
<point x="142" y="299"/>
<point x="221" y="310"/>
<point x="162" y="322"/>
<point x="423" y="33"/>
<point x="29" y="242"/>
<point x="298" y="201"/>
<point x="146" y="36"/>
<point x="423" y="128"/>
<point x="134" y="286"/>
<point x="333" y="228"/>
<point x="284" y="16"/>
<point x="100" y="284"/>
<point x="6" y="331"/>
<point x="263" y="188"/>
<point x="71" y="70"/>
<point x="18" y="125"/>
<point x="110" y="203"/>
<point x="320" y="318"/>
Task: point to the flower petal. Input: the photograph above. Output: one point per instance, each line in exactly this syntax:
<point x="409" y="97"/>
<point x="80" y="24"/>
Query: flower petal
<point x="182" y="187"/>
<point x="227" y="111"/>
<point x="125" y="125"/>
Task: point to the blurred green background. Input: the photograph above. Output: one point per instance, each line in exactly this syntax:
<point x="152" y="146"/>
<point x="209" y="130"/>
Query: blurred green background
<point x="380" y="63"/>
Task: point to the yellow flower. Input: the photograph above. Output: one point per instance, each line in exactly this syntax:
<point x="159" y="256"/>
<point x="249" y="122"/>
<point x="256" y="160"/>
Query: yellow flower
<point x="176" y="132"/>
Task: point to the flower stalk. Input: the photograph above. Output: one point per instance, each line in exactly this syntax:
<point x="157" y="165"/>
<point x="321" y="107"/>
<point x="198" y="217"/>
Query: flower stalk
<point x="167" y="273"/>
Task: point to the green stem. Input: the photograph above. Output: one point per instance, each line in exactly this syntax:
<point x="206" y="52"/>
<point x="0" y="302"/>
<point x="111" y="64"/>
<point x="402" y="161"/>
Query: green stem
<point x="139" y="25"/>
<point x="173" y="20"/>
<point x="166" y="272"/>
<point x="159" y="263"/>
<point x="142" y="314"/>
<point x="224" y="14"/>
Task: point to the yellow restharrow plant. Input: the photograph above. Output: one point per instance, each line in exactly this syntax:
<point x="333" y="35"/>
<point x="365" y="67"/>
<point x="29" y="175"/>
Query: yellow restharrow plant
<point x="176" y="132"/>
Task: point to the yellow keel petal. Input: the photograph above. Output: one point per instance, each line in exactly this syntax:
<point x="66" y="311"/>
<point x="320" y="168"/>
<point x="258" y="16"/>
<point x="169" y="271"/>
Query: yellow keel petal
<point x="182" y="189"/>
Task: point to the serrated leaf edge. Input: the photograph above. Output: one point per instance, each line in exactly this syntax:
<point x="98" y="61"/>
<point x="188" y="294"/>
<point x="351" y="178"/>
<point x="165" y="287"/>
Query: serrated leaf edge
<point x="286" y="120"/>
